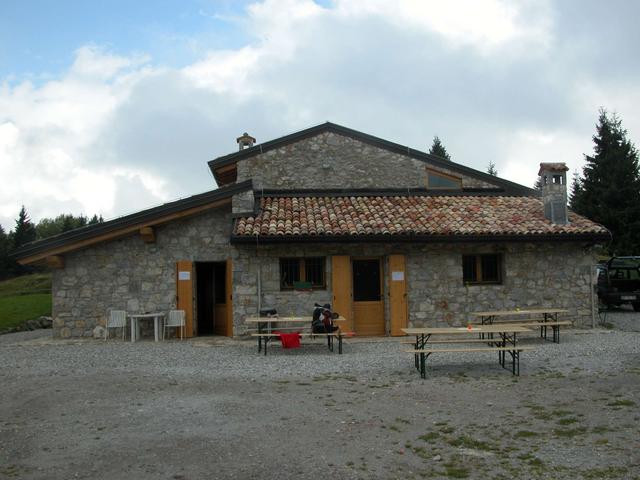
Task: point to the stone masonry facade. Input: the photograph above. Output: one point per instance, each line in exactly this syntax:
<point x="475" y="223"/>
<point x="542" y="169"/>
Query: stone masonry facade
<point x="130" y="275"/>
<point x="535" y="275"/>
<point x="329" y="160"/>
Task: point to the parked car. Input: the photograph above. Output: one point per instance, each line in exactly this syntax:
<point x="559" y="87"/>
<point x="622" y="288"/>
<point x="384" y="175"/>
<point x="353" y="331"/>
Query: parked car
<point x="619" y="282"/>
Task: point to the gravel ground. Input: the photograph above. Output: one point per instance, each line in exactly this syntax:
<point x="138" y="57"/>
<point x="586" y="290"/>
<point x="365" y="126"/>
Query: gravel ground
<point x="214" y="408"/>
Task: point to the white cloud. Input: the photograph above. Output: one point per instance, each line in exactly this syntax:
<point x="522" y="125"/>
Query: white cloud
<point x="226" y="71"/>
<point x="528" y="148"/>
<point x="94" y="62"/>
<point x="481" y="24"/>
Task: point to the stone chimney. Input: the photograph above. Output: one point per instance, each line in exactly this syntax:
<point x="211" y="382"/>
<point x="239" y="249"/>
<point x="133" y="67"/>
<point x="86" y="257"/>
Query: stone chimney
<point x="554" y="191"/>
<point x="245" y="141"/>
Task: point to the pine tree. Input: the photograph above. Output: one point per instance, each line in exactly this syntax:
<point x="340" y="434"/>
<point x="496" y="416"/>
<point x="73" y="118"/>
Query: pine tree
<point x="491" y="169"/>
<point x="438" y="149"/>
<point x="610" y="187"/>
<point x="4" y="254"/>
<point x="538" y="185"/>
<point x="25" y="230"/>
<point x="576" y="192"/>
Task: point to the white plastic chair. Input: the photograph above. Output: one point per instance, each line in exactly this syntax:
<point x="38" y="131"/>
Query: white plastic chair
<point x="116" y="319"/>
<point x="175" y="319"/>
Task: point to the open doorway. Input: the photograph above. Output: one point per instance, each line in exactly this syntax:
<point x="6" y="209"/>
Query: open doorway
<point x="211" y="308"/>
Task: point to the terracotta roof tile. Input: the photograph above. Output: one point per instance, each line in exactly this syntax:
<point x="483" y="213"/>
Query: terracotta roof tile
<point x="406" y="215"/>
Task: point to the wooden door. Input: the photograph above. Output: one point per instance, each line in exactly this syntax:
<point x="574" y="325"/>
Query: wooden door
<point x="229" y="294"/>
<point x="398" y="294"/>
<point x="368" y="302"/>
<point x="341" y="285"/>
<point x="184" y="293"/>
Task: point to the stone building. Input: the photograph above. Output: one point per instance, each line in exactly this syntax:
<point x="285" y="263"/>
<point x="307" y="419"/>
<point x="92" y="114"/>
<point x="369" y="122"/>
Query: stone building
<point x="389" y="235"/>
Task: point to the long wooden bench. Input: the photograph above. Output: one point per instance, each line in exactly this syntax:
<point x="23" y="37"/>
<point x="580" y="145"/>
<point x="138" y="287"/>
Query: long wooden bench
<point x="514" y="351"/>
<point x="266" y="337"/>
<point x="456" y="340"/>
<point x="555" y="326"/>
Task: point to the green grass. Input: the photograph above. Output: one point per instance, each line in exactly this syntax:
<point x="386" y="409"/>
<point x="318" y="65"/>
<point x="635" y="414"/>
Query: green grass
<point x="24" y="298"/>
<point x="570" y="432"/>
<point x="606" y="472"/>
<point x="468" y="442"/>
<point x="16" y="310"/>
<point x="429" y="437"/>
<point x="622" y="403"/>
<point x="26" y="285"/>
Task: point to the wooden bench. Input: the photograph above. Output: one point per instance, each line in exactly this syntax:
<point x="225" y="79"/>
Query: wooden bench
<point x="453" y="340"/>
<point x="266" y="337"/>
<point x="514" y="351"/>
<point x="555" y="326"/>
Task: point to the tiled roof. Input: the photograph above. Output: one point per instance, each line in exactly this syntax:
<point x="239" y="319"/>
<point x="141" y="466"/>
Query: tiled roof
<point x="348" y="216"/>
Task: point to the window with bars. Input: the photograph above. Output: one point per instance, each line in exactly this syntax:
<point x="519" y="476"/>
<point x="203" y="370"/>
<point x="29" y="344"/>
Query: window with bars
<point x="302" y="273"/>
<point x="486" y="268"/>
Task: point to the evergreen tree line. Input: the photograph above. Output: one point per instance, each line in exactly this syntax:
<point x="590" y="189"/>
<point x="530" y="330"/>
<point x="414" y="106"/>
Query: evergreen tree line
<point x="26" y="231"/>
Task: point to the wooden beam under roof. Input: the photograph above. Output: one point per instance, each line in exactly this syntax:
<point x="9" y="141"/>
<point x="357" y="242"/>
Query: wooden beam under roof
<point x="148" y="234"/>
<point x="55" y="261"/>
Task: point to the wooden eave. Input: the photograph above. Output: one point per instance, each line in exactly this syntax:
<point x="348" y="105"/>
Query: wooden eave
<point x="141" y="223"/>
<point x="226" y="174"/>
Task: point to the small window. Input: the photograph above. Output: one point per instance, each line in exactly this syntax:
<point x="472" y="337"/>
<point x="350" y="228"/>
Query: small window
<point x="302" y="273"/>
<point x="482" y="268"/>
<point x="442" y="181"/>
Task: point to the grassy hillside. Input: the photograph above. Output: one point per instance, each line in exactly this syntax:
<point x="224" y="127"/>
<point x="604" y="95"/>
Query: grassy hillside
<point x="24" y="298"/>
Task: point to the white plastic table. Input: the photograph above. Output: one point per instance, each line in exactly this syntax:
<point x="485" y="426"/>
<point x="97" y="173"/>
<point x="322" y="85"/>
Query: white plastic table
<point x="135" y="324"/>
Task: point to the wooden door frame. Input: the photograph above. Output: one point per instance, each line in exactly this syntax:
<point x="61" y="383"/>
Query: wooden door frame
<point x="398" y="306"/>
<point x="382" y="300"/>
<point x="188" y="303"/>
<point x="343" y="302"/>
<point x="228" y="275"/>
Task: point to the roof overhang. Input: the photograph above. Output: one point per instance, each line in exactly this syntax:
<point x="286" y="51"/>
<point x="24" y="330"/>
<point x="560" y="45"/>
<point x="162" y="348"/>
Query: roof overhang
<point x="130" y="224"/>
<point x="590" y="238"/>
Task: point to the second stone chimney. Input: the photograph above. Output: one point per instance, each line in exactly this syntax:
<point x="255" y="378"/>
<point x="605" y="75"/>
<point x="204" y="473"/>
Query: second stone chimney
<point x="554" y="191"/>
<point x="245" y="141"/>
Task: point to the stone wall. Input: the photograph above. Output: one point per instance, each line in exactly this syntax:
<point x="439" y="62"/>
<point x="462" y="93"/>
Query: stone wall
<point x="330" y="160"/>
<point x="130" y="275"/>
<point x="535" y="275"/>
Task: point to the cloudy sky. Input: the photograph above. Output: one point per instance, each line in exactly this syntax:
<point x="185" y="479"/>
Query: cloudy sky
<point x="113" y="108"/>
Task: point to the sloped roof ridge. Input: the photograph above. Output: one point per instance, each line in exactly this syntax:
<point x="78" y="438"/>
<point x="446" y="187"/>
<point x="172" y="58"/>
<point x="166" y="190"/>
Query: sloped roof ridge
<point x="372" y="140"/>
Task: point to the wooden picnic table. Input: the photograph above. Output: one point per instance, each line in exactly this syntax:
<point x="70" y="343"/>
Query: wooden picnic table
<point x="549" y="319"/>
<point x="267" y="322"/>
<point x="506" y="343"/>
<point x="266" y="330"/>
